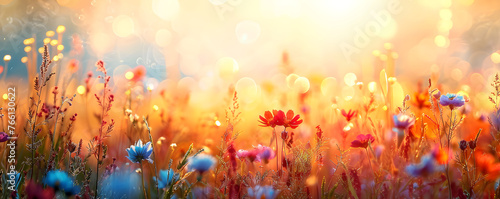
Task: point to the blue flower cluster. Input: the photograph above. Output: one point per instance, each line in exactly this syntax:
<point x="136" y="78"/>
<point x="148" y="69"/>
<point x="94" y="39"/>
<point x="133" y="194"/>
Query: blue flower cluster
<point x="201" y="163"/>
<point x="61" y="181"/>
<point x="167" y="177"/>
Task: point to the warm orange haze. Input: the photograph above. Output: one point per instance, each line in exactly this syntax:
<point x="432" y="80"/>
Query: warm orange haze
<point x="249" y="99"/>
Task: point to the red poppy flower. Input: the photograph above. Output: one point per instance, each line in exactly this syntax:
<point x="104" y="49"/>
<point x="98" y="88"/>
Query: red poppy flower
<point x="362" y="141"/>
<point x="268" y="119"/>
<point x="279" y="118"/>
<point x="291" y="120"/>
<point x="349" y="115"/>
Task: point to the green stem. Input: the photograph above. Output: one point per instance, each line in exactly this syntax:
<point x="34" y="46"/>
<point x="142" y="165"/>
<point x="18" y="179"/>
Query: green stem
<point x="449" y="136"/>
<point x="142" y="180"/>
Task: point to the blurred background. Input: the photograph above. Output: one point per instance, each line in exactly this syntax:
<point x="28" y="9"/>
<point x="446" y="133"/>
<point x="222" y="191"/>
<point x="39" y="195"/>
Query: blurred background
<point x="191" y="38"/>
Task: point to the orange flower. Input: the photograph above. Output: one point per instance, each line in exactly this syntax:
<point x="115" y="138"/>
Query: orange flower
<point x="268" y="119"/>
<point x="440" y="155"/>
<point x="486" y="165"/>
<point x="422" y="100"/>
<point x="278" y="118"/>
<point x="139" y="73"/>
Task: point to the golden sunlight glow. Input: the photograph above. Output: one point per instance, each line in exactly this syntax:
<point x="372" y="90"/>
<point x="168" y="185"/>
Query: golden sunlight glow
<point x="60" y="47"/>
<point x="7" y="58"/>
<point x="29" y="41"/>
<point x="123" y="26"/>
<point x="445" y="14"/>
<point x="350" y="79"/>
<point x="247" y="89"/>
<point x="290" y="80"/>
<point x="5" y="96"/>
<point x="60" y="29"/>
<point x="129" y="75"/>
<point x="495" y="57"/>
<point x="445" y="25"/>
<point x="441" y="41"/>
<point x="301" y="85"/>
<point x="155" y="107"/>
<point x="217" y="123"/>
<point x="46" y="41"/>
<point x="372" y="87"/>
<point x="54" y="42"/>
<point x="27" y="49"/>
<point x="80" y="90"/>
<point x="227" y="67"/>
<point x="50" y="33"/>
<point x="328" y="85"/>
<point x="24" y="59"/>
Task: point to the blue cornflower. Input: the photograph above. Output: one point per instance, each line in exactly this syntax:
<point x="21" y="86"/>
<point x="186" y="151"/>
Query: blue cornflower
<point x="452" y="100"/>
<point x="201" y="163"/>
<point x="426" y="167"/>
<point x="166" y="178"/>
<point x="139" y="152"/>
<point x="60" y="180"/>
<point x="262" y="191"/>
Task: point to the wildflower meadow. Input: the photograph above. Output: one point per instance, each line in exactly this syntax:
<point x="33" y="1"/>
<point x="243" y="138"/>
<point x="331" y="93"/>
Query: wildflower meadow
<point x="233" y="99"/>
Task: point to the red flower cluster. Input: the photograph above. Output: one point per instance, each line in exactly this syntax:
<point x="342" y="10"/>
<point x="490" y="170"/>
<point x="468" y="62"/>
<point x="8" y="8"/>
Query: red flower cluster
<point x="278" y="118"/>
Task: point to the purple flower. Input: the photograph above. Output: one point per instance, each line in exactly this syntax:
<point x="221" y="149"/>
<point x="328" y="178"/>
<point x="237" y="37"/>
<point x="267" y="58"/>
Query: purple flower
<point x="264" y="153"/>
<point x="403" y="121"/>
<point x="452" y="100"/>
<point x="3" y="137"/>
<point x="139" y="152"/>
<point x="201" y="163"/>
<point x="495" y="120"/>
<point x="425" y="168"/>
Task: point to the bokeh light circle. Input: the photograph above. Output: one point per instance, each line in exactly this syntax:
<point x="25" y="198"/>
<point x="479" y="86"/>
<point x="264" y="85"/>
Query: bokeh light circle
<point x="247" y="89"/>
<point x="328" y="86"/>
<point x="301" y="85"/>
<point x="123" y="26"/>
<point x="350" y="79"/>
<point x="227" y="67"/>
<point x="163" y="37"/>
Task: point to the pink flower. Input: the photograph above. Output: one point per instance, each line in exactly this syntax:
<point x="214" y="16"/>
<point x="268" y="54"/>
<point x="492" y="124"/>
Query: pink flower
<point x="362" y="141"/>
<point x="264" y="153"/>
